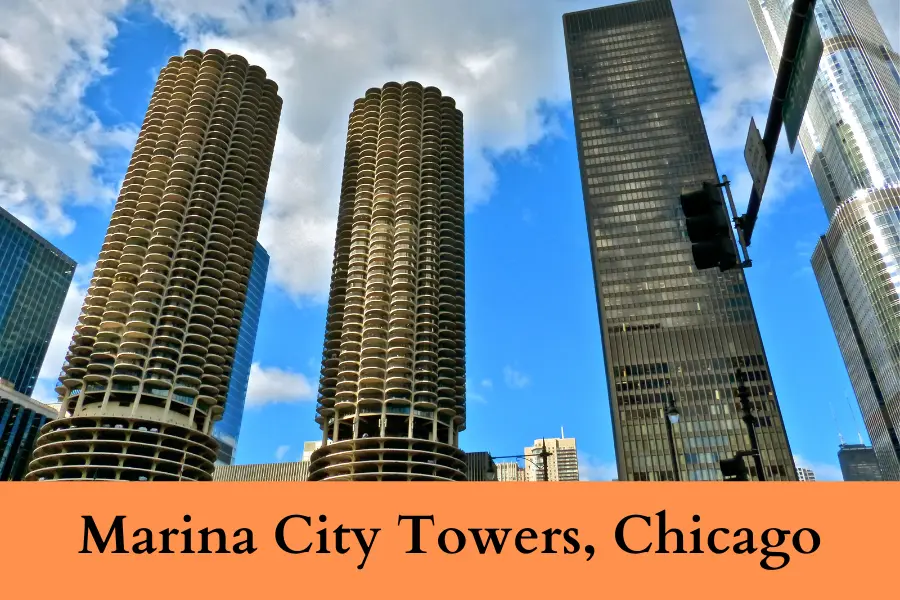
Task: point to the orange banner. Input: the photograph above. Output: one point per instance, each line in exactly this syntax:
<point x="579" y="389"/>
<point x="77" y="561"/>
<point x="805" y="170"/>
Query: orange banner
<point x="430" y="540"/>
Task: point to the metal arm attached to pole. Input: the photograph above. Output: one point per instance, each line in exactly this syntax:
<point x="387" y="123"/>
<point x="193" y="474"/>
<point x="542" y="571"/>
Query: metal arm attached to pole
<point x="543" y="455"/>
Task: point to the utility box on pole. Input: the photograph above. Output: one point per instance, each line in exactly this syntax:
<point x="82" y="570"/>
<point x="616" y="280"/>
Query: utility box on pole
<point x="734" y="469"/>
<point x="709" y="229"/>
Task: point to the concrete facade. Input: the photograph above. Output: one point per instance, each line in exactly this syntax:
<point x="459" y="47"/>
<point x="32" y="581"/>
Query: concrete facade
<point x="148" y="368"/>
<point x="392" y="389"/>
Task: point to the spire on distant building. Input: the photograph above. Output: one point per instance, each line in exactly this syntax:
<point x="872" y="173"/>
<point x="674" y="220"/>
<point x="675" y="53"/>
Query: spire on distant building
<point x="834" y="417"/>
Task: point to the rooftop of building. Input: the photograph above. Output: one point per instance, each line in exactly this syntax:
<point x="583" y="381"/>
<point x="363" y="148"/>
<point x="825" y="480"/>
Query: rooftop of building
<point x="8" y="392"/>
<point x="37" y="237"/>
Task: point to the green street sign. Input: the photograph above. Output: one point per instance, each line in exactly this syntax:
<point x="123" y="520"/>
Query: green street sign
<point x="803" y="75"/>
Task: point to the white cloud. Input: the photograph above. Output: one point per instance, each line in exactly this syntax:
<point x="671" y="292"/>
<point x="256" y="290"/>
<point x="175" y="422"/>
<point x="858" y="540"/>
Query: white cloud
<point x="499" y="62"/>
<point x="280" y="452"/>
<point x="823" y="471"/>
<point x="515" y="379"/>
<point x="487" y="383"/>
<point x="50" y="144"/>
<point x="273" y="385"/>
<point x="592" y="469"/>
<point x="742" y="81"/>
<point x="65" y="327"/>
<point x="473" y="396"/>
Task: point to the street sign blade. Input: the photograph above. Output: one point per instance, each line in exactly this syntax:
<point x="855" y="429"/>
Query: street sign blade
<point x="803" y="76"/>
<point x="755" y="155"/>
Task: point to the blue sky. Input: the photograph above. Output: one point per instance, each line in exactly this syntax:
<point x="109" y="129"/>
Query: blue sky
<point x="535" y="362"/>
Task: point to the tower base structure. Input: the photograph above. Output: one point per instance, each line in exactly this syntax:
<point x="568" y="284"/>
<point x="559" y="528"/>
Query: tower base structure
<point x="388" y="459"/>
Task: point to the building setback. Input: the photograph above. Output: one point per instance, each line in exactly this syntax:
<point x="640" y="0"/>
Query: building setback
<point x="669" y="333"/>
<point x="851" y="140"/>
<point x="20" y="420"/>
<point x="392" y="389"/>
<point x="228" y="429"/>
<point x="859" y="463"/>
<point x="148" y="369"/>
<point x="34" y="280"/>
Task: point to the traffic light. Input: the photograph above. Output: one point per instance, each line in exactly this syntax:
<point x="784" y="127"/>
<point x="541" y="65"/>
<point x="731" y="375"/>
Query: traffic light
<point x="734" y="469"/>
<point x="709" y="229"/>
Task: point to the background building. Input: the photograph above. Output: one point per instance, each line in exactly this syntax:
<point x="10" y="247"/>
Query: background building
<point x="851" y="141"/>
<point x="510" y="471"/>
<point x="480" y="467"/>
<point x="859" y="463"/>
<point x="562" y="464"/>
<point x="148" y="368"/>
<point x="309" y="448"/>
<point x="804" y="474"/>
<point x="670" y="333"/>
<point x="20" y="420"/>
<point x="228" y="429"/>
<point x="284" y="471"/>
<point x="34" y="279"/>
<point x="392" y="391"/>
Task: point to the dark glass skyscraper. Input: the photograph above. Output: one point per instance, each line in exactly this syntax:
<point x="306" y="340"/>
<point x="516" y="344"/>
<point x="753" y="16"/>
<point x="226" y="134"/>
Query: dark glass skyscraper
<point x="228" y="429"/>
<point x="34" y="279"/>
<point x="859" y="463"/>
<point x="669" y="331"/>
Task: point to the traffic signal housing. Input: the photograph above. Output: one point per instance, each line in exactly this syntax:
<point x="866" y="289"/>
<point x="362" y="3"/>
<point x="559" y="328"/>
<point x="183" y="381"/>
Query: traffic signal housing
<point x="709" y="229"/>
<point x="734" y="469"/>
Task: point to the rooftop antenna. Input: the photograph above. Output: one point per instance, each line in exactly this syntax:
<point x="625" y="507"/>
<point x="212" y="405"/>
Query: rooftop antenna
<point x="562" y="434"/>
<point x="855" y="423"/>
<point x="840" y="437"/>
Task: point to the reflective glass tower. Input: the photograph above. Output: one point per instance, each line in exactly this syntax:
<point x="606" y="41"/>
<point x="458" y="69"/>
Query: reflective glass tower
<point x="670" y="333"/>
<point x="228" y="429"/>
<point x="851" y="141"/>
<point x="34" y="279"/>
<point x="148" y="369"/>
<point x="392" y="390"/>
